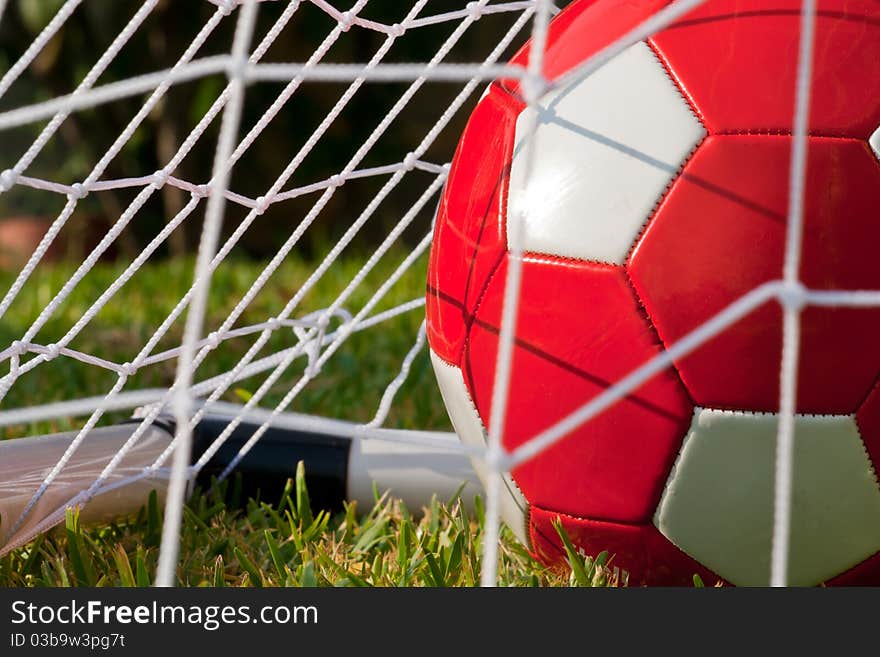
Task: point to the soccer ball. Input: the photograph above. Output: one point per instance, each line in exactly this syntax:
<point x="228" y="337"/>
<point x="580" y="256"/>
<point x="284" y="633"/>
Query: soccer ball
<point x="658" y="195"/>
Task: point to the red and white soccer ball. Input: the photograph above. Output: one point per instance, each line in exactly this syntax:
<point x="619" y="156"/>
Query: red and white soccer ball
<point x="659" y="196"/>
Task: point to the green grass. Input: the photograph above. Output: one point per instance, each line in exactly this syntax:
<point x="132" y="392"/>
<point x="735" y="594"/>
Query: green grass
<point x="287" y="543"/>
<point x="349" y="386"/>
<point x="266" y="543"/>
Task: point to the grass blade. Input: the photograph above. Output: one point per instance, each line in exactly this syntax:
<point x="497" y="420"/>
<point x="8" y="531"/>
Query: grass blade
<point x="248" y="566"/>
<point x="142" y="576"/>
<point x="80" y="560"/>
<point x="575" y="560"/>
<point x="303" y="504"/>
<point x="275" y="553"/>
<point x="123" y="567"/>
<point x="435" y="571"/>
<point x="219" y="578"/>
<point x="308" y="578"/>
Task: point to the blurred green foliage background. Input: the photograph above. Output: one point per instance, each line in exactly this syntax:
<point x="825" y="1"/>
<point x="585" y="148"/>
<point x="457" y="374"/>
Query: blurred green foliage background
<point x="85" y="136"/>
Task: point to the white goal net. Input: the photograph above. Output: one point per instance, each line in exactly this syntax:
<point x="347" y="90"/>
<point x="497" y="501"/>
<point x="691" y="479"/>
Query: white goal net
<point x="304" y="136"/>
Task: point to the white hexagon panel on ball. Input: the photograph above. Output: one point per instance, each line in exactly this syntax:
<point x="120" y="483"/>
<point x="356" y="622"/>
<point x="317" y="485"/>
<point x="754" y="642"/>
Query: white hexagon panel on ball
<point x="604" y="150"/>
<point x="718" y="502"/>
<point x="467" y="424"/>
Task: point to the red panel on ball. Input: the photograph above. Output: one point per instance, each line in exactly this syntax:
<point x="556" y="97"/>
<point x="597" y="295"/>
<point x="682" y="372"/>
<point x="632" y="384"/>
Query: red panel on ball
<point x="582" y="30"/>
<point x="868" y="420"/>
<point x="737" y="62"/>
<point x="640" y="550"/>
<point x="669" y="566"/>
<point x="720" y="232"/>
<point x="625" y="543"/>
<point x="469" y="235"/>
<point x="580" y="330"/>
<point x="866" y="573"/>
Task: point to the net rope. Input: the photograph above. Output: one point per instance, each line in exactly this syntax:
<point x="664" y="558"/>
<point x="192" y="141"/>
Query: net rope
<point x="318" y="334"/>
